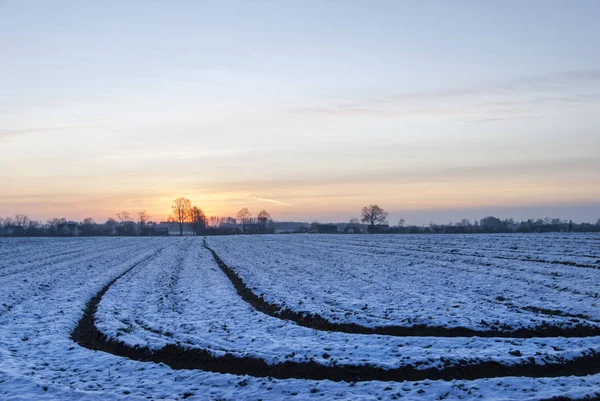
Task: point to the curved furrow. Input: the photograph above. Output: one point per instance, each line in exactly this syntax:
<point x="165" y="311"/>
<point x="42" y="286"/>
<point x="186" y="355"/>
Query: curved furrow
<point x="336" y="285"/>
<point x="177" y="356"/>
<point x="317" y="322"/>
<point x="503" y="275"/>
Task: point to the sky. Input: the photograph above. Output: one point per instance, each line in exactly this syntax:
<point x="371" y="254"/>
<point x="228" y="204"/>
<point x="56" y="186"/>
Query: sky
<point x="311" y="110"/>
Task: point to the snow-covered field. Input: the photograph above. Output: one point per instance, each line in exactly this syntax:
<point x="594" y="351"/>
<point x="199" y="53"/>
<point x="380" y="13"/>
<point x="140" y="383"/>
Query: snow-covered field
<point x="477" y="282"/>
<point x="472" y="306"/>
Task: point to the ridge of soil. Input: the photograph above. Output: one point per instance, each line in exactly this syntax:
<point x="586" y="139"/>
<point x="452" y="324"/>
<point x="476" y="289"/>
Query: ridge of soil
<point x="317" y="322"/>
<point x="176" y="356"/>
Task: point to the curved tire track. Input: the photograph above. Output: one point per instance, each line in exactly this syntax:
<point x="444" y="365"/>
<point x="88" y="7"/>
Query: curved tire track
<point x="87" y="335"/>
<point x="317" y="322"/>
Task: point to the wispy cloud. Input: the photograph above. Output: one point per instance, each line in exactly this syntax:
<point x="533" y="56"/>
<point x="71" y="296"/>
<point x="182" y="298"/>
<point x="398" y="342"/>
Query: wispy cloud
<point x="539" y="169"/>
<point x="166" y="155"/>
<point x="482" y="101"/>
<point x="494" y="119"/>
<point x="18" y="132"/>
<point x="269" y="131"/>
<point x="268" y="200"/>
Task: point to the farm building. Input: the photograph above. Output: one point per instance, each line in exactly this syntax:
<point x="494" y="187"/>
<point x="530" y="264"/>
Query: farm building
<point x="13" y="231"/>
<point x="69" y="229"/>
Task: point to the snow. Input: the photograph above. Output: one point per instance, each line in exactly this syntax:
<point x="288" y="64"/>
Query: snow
<point x="183" y="293"/>
<point x="409" y="280"/>
<point x="176" y="293"/>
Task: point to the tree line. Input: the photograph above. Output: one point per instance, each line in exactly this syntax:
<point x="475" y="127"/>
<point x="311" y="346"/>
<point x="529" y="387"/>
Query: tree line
<point x="188" y="218"/>
<point x="375" y="216"/>
<point x="184" y="213"/>
<point x="373" y="220"/>
<point x="183" y="216"/>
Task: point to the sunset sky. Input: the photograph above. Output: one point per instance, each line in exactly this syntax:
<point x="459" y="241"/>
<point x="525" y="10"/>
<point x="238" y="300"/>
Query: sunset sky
<point x="434" y="110"/>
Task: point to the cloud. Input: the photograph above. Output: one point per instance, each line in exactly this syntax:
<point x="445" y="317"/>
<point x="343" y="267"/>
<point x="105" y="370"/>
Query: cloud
<point x="165" y="155"/>
<point x="494" y="119"/>
<point x="484" y="100"/>
<point x="274" y="201"/>
<point x="18" y="132"/>
<point x="394" y="175"/>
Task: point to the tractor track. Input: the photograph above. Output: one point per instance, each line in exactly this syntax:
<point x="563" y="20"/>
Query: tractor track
<point x="317" y="322"/>
<point x="87" y="335"/>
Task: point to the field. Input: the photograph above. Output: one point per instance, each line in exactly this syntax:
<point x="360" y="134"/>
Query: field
<point x="301" y="317"/>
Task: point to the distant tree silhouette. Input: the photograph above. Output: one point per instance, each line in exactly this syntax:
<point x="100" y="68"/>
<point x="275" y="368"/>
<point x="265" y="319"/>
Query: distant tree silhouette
<point x="182" y="208"/>
<point x="34" y="229"/>
<point x="492" y="223"/>
<point x="87" y="227"/>
<point x="21" y="220"/>
<point x="198" y="220"/>
<point x="401" y="222"/>
<point x="143" y="219"/>
<point x="110" y="225"/>
<point x="263" y="219"/>
<point x="126" y="225"/>
<point x="243" y="216"/>
<point x="124" y="217"/>
<point x="53" y="224"/>
<point x="373" y="215"/>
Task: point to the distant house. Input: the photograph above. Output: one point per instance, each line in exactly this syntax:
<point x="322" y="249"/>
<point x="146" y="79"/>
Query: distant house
<point x="158" y="231"/>
<point x="378" y="229"/>
<point x="69" y="229"/>
<point x="173" y="227"/>
<point x="152" y="229"/>
<point x="326" y="228"/>
<point x="14" y="231"/>
<point x="290" y="226"/>
<point x="162" y="231"/>
<point x="352" y="228"/>
<point x="251" y="228"/>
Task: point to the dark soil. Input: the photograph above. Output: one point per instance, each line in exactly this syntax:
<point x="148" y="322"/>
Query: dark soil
<point x="87" y="335"/>
<point x="317" y="322"/>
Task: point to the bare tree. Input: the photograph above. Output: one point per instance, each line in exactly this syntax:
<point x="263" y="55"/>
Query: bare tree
<point x="243" y="216"/>
<point x="54" y="223"/>
<point x="263" y="219"/>
<point x="401" y="223"/>
<point x="143" y="218"/>
<point x="21" y="220"/>
<point x="181" y="212"/>
<point x="215" y="221"/>
<point x="373" y="215"/>
<point x="198" y="220"/>
<point x="124" y="217"/>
